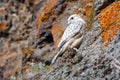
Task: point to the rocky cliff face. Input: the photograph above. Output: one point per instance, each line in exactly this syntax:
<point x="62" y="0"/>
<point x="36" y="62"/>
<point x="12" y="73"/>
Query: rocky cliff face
<point x="31" y="29"/>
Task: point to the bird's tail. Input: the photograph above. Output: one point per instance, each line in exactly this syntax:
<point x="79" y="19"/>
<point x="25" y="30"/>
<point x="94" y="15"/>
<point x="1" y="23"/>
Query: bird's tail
<point x="56" y="56"/>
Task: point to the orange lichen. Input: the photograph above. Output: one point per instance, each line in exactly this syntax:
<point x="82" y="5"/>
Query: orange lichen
<point x="33" y="1"/>
<point x="27" y="52"/>
<point x="84" y="2"/>
<point x="15" y="63"/>
<point x="88" y="12"/>
<point x="110" y="22"/>
<point x="2" y="11"/>
<point x="75" y="11"/>
<point x="45" y="17"/>
<point x="57" y="31"/>
<point x="24" y="70"/>
<point x="3" y="26"/>
<point x="46" y="9"/>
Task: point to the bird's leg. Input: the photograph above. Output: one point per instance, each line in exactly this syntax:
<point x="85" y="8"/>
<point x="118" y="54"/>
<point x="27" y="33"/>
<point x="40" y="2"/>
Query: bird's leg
<point x="77" y="50"/>
<point x="73" y="48"/>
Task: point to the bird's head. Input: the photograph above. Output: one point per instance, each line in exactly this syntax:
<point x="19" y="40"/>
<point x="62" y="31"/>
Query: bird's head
<point x="75" y="18"/>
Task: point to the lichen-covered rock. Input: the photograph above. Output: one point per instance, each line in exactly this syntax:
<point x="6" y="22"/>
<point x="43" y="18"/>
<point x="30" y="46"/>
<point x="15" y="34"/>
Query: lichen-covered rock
<point x="31" y="29"/>
<point x="101" y="4"/>
<point x="95" y="59"/>
<point x="16" y="25"/>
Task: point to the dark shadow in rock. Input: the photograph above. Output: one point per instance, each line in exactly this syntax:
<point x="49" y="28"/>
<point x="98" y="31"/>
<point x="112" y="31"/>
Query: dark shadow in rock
<point x="45" y="37"/>
<point x="101" y="5"/>
<point x="43" y="54"/>
<point x="4" y="34"/>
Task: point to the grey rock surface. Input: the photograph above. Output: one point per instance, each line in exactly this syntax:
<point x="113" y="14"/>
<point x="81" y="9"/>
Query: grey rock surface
<point x="23" y="43"/>
<point x="93" y="61"/>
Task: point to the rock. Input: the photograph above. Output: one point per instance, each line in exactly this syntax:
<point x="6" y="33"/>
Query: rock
<point x="99" y="61"/>
<point x="33" y="28"/>
<point x="43" y="53"/>
<point x="101" y="4"/>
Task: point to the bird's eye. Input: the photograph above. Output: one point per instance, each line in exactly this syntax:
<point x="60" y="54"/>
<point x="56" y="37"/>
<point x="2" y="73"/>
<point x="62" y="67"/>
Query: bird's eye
<point x="71" y="17"/>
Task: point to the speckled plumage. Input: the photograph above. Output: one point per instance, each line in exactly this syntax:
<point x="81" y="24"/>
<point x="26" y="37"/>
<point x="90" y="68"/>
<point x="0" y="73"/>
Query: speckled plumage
<point x="72" y="35"/>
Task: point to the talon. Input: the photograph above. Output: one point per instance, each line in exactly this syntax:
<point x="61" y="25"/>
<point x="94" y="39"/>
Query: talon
<point x="76" y="49"/>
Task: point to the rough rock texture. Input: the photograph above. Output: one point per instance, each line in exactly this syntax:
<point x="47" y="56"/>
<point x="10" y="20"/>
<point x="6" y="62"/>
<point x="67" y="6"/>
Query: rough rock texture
<point x="31" y="29"/>
<point x="18" y="36"/>
<point x="95" y="60"/>
<point x="101" y="4"/>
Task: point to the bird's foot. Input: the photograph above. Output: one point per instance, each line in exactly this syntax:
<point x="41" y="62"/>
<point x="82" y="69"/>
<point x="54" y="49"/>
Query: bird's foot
<point x="76" y="49"/>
